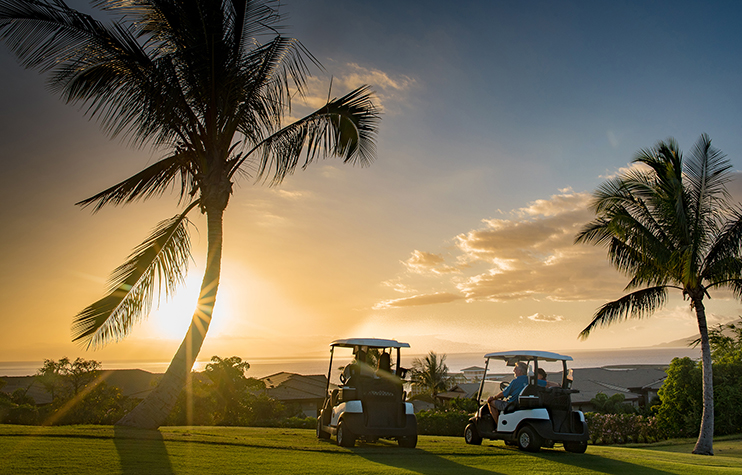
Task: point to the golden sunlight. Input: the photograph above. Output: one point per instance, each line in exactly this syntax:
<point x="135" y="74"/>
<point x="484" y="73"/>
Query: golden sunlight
<point x="171" y="319"/>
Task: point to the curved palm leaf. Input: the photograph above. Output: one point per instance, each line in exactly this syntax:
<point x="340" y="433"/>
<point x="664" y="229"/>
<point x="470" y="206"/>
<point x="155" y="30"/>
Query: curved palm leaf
<point x="637" y="304"/>
<point x="345" y="127"/>
<point x="724" y="254"/>
<point x="151" y="181"/>
<point x="161" y="261"/>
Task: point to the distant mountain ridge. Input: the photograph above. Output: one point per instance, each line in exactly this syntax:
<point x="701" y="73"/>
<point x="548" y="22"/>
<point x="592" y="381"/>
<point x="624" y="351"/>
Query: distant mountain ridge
<point x="687" y="341"/>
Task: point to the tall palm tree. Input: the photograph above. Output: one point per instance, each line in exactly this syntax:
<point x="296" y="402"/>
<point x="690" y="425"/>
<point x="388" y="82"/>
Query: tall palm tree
<point x="189" y="77"/>
<point x="431" y="373"/>
<point x="669" y="224"/>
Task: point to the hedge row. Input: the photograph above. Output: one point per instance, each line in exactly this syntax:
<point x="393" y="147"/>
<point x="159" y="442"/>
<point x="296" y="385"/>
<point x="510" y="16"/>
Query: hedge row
<point x="604" y="428"/>
<point x="442" y="422"/>
<point x="622" y="428"/>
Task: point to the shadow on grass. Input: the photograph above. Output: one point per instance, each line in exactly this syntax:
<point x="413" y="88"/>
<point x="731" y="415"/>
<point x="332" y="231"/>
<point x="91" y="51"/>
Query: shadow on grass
<point x="594" y="462"/>
<point x="415" y="460"/>
<point x="141" y="451"/>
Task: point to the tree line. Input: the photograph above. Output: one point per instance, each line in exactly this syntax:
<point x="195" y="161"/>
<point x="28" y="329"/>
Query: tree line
<point x="220" y="395"/>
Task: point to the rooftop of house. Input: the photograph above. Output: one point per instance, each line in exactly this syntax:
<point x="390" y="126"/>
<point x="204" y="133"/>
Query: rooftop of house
<point x="473" y="368"/>
<point x="285" y="386"/>
<point x="132" y="382"/>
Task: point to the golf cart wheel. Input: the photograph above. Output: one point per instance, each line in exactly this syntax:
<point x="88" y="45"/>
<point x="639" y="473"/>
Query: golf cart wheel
<point x="471" y="436"/>
<point x="408" y="441"/>
<point x="321" y="433"/>
<point x="575" y="446"/>
<point x="528" y="439"/>
<point x="345" y="437"/>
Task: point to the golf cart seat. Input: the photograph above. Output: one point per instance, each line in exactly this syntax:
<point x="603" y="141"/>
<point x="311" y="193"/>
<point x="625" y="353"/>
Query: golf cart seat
<point x="515" y="402"/>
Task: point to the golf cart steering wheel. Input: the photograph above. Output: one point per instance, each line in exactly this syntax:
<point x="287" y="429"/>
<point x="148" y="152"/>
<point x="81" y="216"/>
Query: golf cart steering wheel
<point x="504" y="385"/>
<point x="343" y="379"/>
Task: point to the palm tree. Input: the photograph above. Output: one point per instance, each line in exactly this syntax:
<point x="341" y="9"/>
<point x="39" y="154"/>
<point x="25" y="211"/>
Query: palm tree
<point x="190" y="78"/>
<point x="670" y="224"/>
<point x="431" y="373"/>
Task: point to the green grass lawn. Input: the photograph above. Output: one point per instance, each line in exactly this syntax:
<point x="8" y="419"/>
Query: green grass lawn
<point x="225" y="450"/>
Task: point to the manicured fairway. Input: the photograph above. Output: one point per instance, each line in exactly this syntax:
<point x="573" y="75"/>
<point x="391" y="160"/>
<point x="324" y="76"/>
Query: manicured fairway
<point x="222" y="450"/>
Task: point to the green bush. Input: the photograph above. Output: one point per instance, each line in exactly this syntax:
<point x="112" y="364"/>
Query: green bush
<point x="25" y="414"/>
<point x="621" y="428"/>
<point x="435" y="422"/>
<point x="299" y="423"/>
<point x="727" y="391"/>
<point x="679" y="415"/>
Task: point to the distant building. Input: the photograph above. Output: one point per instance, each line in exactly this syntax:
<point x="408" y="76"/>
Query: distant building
<point x="470" y="390"/>
<point x="638" y="383"/>
<point x="306" y="391"/>
<point x="473" y="373"/>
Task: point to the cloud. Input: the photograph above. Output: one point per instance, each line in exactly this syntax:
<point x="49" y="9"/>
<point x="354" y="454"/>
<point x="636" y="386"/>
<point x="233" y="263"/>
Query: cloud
<point x="426" y="262"/>
<point x="356" y="76"/>
<point x="391" y="90"/>
<point x="417" y="300"/>
<point x="537" y="317"/>
<point x="530" y="255"/>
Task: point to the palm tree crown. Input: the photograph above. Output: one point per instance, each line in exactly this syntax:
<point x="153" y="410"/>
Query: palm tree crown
<point x="431" y="373"/>
<point x="669" y="223"/>
<point x="191" y="78"/>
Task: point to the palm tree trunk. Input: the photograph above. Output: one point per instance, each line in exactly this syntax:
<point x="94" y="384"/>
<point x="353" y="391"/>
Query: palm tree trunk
<point x="705" y="443"/>
<point x="154" y="409"/>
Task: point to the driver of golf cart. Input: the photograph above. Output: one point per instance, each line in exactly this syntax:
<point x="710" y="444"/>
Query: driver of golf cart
<point x="357" y="367"/>
<point x="500" y="401"/>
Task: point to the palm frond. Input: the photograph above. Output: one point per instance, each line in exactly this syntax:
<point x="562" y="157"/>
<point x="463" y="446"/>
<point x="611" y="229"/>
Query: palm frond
<point x="707" y="171"/>
<point x="264" y="87"/>
<point x="345" y="127"/>
<point x="637" y="304"/>
<point x="158" y="264"/>
<point x="152" y="181"/>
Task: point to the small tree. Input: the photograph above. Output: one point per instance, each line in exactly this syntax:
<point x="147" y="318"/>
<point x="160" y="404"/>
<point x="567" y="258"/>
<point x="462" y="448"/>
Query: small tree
<point x="51" y="376"/>
<point x="229" y="387"/>
<point x="679" y="415"/>
<point x="612" y="405"/>
<point x="431" y="373"/>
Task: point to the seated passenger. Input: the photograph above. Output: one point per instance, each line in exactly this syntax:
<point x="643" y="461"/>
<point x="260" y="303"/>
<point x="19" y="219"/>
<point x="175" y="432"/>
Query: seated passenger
<point x="500" y="401"/>
<point x="384" y="364"/>
<point x="542" y="380"/>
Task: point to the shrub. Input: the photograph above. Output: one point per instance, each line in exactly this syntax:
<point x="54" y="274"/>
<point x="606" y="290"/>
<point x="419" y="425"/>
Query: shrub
<point x="299" y="423"/>
<point x="621" y="428"/>
<point x="25" y="414"/>
<point x="448" y="422"/>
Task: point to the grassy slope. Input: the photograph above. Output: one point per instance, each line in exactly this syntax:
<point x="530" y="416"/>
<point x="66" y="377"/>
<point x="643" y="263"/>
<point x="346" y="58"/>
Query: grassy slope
<point x="198" y="450"/>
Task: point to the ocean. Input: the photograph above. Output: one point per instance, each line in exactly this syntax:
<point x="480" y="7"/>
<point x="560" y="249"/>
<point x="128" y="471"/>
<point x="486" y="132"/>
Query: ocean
<point x="260" y="367"/>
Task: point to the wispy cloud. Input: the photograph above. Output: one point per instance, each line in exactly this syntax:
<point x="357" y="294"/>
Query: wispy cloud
<point x="538" y="317"/>
<point x="416" y="300"/>
<point x="391" y="90"/>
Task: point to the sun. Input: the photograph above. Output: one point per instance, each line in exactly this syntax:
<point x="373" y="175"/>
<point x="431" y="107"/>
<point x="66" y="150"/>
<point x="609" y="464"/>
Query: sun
<point x="170" y="320"/>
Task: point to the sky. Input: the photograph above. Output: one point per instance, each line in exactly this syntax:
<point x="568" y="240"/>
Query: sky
<point x="499" y="121"/>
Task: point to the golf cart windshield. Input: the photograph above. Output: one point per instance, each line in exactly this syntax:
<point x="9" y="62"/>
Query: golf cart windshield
<point x="533" y="359"/>
<point x="373" y="347"/>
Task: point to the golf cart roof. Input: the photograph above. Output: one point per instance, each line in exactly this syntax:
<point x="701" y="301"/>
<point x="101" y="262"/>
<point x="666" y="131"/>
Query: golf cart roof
<point x="527" y="355"/>
<point x="369" y="342"/>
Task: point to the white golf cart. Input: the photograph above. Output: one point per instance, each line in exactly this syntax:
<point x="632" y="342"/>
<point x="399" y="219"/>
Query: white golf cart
<point x="370" y="402"/>
<point x="539" y="416"/>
